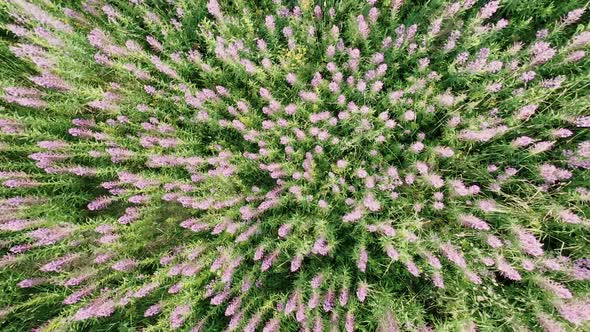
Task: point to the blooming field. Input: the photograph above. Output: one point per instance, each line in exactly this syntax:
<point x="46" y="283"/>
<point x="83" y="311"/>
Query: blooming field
<point x="209" y="165"/>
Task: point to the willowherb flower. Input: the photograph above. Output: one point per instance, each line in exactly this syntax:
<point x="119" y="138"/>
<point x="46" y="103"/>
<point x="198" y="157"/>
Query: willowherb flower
<point x="553" y="83"/>
<point x="569" y="217"/>
<point x="361" y="291"/>
<point x="272" y="325"/>
<point x="529" y="243"/>
<point x="57" y="264"/>
<point x="528" y="76"/>
<point x="363" y="27"/>
<point x="153" y="310"/>
<point x="507" y="270"/>
<point x="473" y="222"/>
<point x="522" y="141"/>
<point x="214" y="9"/>
<point x="50" y="81"/>
<point x="576" y="56"/>
<point x="78" y="295"/>
<point x="362" y="260"/>
<point x="580" y="40"/>
<point x="549" y="324"/>
<point x="124" y="265"/>
<point x="576" y="312"/>
<point x="27" y="283"/>
<point x="573" y="16"/>
<point x="556" y="288"/>
<point x="581" y="269"/>
<point x="552" y="174"/>
<point x="541" y="52"/>
<point x="179" y="315"/>
<point x="489" y="9"/>
<point x="100" y="307"/>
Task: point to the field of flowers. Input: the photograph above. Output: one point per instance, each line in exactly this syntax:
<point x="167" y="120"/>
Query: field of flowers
<point x="268" y="165"/>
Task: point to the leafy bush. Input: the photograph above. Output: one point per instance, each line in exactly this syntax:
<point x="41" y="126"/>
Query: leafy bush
<point x="282" y="165"/>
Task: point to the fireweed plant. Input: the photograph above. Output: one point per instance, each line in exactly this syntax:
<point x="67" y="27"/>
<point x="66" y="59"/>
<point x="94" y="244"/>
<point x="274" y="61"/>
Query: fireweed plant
<point x="294" y="166"/>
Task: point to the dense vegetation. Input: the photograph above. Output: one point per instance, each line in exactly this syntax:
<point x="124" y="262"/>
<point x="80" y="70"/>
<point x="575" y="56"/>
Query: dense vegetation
<point x="294" y="165"/>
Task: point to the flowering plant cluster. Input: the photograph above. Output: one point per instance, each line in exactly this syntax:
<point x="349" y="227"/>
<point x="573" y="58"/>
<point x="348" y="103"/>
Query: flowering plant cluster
<point x="209" y="165"/>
